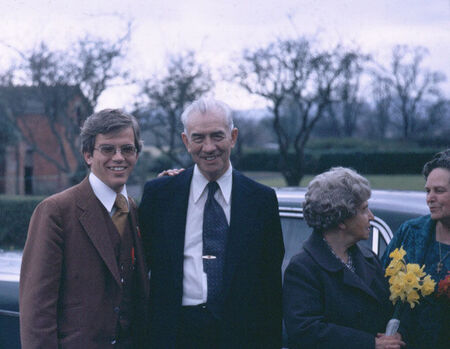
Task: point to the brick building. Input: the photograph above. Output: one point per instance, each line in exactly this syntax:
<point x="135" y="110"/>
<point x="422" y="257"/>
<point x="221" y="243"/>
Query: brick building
<point x="43" y="160"/>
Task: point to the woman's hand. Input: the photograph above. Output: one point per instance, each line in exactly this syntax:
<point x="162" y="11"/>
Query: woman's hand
<point x="389" y="342"/>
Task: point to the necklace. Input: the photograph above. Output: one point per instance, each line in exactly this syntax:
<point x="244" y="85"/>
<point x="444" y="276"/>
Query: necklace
<point x="441" y="260"/>
<point x="349" y="264"/>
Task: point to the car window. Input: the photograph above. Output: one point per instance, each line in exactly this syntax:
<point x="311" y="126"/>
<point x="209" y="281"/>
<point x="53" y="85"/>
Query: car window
<point x="296" y="231"/>
<point x="380" y="236"/>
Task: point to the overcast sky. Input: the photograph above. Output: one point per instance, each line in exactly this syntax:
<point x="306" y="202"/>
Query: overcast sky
<point x="219" y="29"/>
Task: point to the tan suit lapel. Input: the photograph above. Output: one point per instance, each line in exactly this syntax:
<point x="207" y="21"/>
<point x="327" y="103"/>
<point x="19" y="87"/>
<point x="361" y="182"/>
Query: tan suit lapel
<point x="91" y="218"/>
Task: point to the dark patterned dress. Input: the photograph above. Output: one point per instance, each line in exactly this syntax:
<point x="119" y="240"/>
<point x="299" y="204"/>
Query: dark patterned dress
<point x="428" y="324"/>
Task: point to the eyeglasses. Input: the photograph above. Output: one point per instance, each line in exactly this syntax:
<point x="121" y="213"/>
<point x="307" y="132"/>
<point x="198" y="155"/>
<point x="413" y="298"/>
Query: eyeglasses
<point x="110" y="150"/>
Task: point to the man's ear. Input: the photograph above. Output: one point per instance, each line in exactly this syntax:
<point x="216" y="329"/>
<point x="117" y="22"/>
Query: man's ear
<point x="184" y="137"/>
<point x="88" y="158"/>
<point x="342" y="226"/>
<point x="234" y="136"/>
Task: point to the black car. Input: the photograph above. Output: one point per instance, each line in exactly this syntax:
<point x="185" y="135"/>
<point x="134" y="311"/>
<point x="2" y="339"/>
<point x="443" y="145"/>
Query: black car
<point x="390" y="208"/>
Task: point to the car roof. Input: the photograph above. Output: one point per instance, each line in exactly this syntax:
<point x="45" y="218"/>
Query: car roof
<point x="10" y="265"/>
<point x="411" y="202"/>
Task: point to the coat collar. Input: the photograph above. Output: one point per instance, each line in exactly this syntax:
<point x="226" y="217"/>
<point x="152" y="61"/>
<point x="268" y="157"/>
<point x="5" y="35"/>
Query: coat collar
<point x="365" y="271"/>
<point x="175" y="205"/>
<point x="424" y="232"/>
<point x="242" y="219"/>
<point x="91" y="209"/>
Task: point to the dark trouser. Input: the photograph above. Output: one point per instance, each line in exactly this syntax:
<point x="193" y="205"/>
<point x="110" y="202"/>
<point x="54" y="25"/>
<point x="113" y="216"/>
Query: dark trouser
<point x="198" y="329"/>
<point x="125" y="340"/>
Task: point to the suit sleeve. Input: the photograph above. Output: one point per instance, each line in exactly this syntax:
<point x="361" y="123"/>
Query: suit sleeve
<point x="40" y="277"/>
<point x="304" y="314"/>
<point x="144" y="213"/>
<point x="272" y="283"/>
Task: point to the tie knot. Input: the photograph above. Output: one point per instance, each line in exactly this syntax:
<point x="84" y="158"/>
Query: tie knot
<point x="121" y="203"/>
<point x="212" y="188"/>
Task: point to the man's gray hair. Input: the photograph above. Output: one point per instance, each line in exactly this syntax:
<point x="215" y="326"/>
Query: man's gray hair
<point x="206" y="106"/>
<point x="333" y="197"/>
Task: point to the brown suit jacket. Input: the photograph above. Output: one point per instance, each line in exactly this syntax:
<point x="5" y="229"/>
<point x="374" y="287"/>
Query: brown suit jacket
<point x="70" y="286"/>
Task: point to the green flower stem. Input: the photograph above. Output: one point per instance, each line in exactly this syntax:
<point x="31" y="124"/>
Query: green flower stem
<point x="397" y="310"/>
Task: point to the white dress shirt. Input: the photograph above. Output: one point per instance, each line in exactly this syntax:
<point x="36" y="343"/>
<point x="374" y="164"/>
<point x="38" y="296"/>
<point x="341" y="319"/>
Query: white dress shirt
<point x="195" y="288"/>
<point x="105" y="194"/>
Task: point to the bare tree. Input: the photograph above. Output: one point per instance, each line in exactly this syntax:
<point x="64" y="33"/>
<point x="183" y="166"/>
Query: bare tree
<point x="67" y="85"/>
<point x="253" y="133"/>
<point x="296" y="78"/>
<point x="382" y="100"/>
<point x="166" y="96"/>
<point x="437" y="123"/>
<point x="348" y="106"/>
<point x="411" y="84"/>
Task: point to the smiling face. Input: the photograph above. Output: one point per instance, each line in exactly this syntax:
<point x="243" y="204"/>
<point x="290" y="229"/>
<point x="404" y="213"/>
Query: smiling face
<point x="112" y="170"/>
<point x="358" y="227"/>
<point x="438" y="194"/>
<point x="209" y="141"/>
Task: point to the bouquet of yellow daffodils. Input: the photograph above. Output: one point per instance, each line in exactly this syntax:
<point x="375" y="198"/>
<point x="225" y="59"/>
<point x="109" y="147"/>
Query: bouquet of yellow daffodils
<point x="407" y="282"/>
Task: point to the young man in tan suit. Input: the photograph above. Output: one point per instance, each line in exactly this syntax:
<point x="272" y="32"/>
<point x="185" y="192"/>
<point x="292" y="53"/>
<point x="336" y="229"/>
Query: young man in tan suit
<point x="83" y="282"/>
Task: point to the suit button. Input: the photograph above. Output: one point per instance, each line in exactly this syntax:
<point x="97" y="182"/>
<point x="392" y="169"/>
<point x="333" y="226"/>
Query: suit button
<point x="121" y="280"/>
<point x="117" y="310"/>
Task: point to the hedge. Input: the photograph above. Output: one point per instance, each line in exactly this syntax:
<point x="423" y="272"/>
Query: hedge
<point x="374" y="162"/>
<point x="15" y="214"/>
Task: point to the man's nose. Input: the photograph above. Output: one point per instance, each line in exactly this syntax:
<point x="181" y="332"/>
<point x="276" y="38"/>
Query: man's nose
<point x="118" y="155"/>
<point x="208" y="145"/>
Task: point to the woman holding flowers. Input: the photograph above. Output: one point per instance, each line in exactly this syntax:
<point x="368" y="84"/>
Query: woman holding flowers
<point x="426" y="241"/>
<point x="335" y="294"/>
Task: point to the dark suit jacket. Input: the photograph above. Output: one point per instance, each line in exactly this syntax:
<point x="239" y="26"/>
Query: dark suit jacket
<point x="328" y="306"/>
<point x="70" y="284"/>
<point x="252" y="275"/>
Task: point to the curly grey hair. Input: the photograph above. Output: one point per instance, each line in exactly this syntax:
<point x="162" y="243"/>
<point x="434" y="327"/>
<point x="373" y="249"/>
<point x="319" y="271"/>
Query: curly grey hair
<point x="207" y="105"/>
<point x="333" y="197"/>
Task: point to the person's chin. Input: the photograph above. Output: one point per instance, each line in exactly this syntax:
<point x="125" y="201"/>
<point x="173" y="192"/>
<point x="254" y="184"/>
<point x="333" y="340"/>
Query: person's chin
<point x="435" y="216"/>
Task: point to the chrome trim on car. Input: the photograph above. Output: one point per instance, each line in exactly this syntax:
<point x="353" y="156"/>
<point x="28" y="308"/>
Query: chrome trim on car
<point x="9" y="313"/>
<point x="380" y="226"/>
<point x="288" y="211"/>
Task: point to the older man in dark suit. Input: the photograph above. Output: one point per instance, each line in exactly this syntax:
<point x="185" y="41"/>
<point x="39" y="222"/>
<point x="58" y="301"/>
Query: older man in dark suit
<point x="83" y="282"/>
<point x="214" y="245"/>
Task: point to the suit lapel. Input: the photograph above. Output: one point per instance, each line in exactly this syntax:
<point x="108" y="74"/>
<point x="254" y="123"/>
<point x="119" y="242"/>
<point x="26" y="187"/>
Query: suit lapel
<point x="175" y="206"/>
<point x="139" y="253"/>
<point x="318" y="249"/>
<point x="365" y="274"/>
<point x="241" y="223"/>
<point x="90" y="219"/>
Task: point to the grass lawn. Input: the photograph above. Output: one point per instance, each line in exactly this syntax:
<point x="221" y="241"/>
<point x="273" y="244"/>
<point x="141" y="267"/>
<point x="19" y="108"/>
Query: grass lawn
<point x="398" y="182"/>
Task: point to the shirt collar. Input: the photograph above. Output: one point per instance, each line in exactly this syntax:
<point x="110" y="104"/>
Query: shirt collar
<point x="105" y="194"/>
<point x="199" y="183"/>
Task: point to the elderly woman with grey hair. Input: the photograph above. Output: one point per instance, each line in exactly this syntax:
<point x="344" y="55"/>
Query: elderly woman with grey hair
<point x="335" y="294"/>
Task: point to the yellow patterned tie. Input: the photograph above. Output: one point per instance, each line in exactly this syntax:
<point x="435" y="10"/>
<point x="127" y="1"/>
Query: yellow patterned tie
<point x="120" y="216"/>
